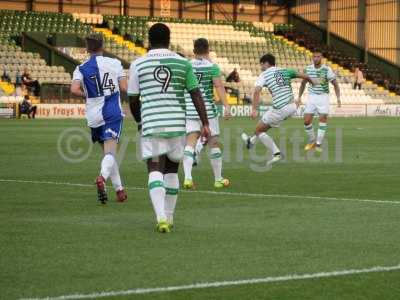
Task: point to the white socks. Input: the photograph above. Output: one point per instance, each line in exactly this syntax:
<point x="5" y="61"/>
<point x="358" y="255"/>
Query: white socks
<point x="110" y="169"/>
<point x="216" y="162"/>
<point x="107" y="165"/>
<point x="157" y="194"/>
<point x="188" y="156"/>
<point x="268" y="142"/>
<point x="115" y="177"/>
<point x="164" y="193"/>
<point x="310" y="133"/>
<point x="321" y="132"/>
<point x="171" y="183"/>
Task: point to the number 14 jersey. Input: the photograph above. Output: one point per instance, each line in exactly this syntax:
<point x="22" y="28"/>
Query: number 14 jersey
<point x="99" y="77"/>
<point x="160" y="78"/>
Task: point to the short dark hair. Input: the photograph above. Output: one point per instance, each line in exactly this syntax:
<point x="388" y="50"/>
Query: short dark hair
<point x="317" y="50"/>
<point x="94" y="42"/>
<point x="201" y="46"/>
<point x="269" y="58"/>
<point x="159" y="35"/>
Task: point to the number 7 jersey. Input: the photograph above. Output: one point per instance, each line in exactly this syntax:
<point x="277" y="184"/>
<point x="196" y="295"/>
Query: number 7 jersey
<point x="99" y="77"/>
<point x="160" y="78"/>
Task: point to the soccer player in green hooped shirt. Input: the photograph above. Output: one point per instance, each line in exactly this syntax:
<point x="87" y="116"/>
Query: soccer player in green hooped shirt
<point x="209" y="76"/>
<point x="278" y="82"/>
<point x="156" y="86"/>
<point x="318" y="100"/>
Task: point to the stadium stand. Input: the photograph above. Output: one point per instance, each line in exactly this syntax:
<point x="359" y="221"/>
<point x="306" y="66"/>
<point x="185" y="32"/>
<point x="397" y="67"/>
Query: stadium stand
<point x="88" y="18"/>
<point x="14" y="60"/>
<point x="240" y="45"/>
<point x="234" y="45"/>
<point x="16" y="22"/>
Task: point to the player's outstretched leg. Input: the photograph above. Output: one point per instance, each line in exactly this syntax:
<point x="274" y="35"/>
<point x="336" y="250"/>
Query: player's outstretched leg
<point x="249" y="141"/>
<point x="171" y="184"/>
<point x="216" y="163"/>
<point x="261" y="134"/>
<point x="308" y="127"/>
<point x="188" y="159"/>
<point x="323" y="126"/>
<point x="157" y="191"/>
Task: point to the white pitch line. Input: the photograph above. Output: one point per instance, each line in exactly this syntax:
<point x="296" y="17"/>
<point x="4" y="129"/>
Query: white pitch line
<point x="218" y="284"/>
<point x="256" y="195"/>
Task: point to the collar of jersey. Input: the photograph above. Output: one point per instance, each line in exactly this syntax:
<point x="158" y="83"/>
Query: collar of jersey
<point x="160" y="50"/>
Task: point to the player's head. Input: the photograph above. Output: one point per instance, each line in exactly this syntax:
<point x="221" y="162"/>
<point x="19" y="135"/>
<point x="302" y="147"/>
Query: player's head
<point x="159" y="36"/>
<point x="267" y="61"/>
<point x="94" y="43"/>
<point x="201" y="47"/>
<point x="317" y="57"/>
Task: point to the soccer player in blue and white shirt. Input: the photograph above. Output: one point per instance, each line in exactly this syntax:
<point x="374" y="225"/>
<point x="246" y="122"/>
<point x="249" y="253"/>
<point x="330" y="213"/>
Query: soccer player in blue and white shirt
<point x="100" y="80"/>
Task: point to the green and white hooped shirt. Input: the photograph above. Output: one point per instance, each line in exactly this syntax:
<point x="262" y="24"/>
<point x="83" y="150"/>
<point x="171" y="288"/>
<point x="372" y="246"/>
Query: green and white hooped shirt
<point x="205" y="72"/>
<point x="325" y="75"/>
<point x="278" y="82"/>
<point x="160" y="78"/>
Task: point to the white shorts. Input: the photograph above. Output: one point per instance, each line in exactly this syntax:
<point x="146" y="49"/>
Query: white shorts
<point x="156" y="146"/>
<point x="317" y="104"/>
<point x="274" y="117"/>
<point x="195" y="126"/>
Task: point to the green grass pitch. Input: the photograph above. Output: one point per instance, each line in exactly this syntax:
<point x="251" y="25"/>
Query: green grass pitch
<point x="300" y="217"/>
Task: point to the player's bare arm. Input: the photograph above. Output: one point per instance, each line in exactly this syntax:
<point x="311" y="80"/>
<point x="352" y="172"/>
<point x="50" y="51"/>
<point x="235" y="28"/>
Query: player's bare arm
<point x="337" y="92"/>
<point x="76" y="89"/>
<point x="123" y="84"/>
<point x="219" y="87"/>
<point x="256" y="101"/>
<point x="313" y="81"/>
<point x="134" y="106"/>
<point x="301" y="91"/>
<point x="198" y="103"/>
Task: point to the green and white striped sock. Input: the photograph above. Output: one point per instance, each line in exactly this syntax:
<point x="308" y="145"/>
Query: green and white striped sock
<point x="310" y="133"/>
<point x="171" y="183"/>
<point x="321" y="132"/>
<point x="216" y="162"/>
<point x="188" y="157"/>
<point x="157" y="194"/>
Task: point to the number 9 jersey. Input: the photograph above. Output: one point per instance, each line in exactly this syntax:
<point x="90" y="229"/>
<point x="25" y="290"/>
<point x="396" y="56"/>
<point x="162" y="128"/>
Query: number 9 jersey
<point x="99" y="77"/>
<point x="160" y="78"/>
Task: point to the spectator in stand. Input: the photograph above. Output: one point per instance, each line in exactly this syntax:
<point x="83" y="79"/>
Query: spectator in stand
<point x="18" y="84"/>
<point x="233" y="76"/>
<point x="27" y="108"/>
<point x="5" y="77"/>
<point x="358" y="78"/>
<point x="246" y="99"/>
<point x="27" y="80"/>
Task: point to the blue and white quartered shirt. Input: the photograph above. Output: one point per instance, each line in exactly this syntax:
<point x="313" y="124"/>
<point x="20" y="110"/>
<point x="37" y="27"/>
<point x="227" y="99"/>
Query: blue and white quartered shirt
<point x="99" y="77"/>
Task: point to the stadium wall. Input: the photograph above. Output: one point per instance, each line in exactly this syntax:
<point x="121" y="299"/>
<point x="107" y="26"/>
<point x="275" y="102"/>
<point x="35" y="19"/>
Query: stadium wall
<point x="320" y="34"/>
<point x="218" y="10"/>
<point x="370" y="24"/>
<point x="77" y="111"/>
